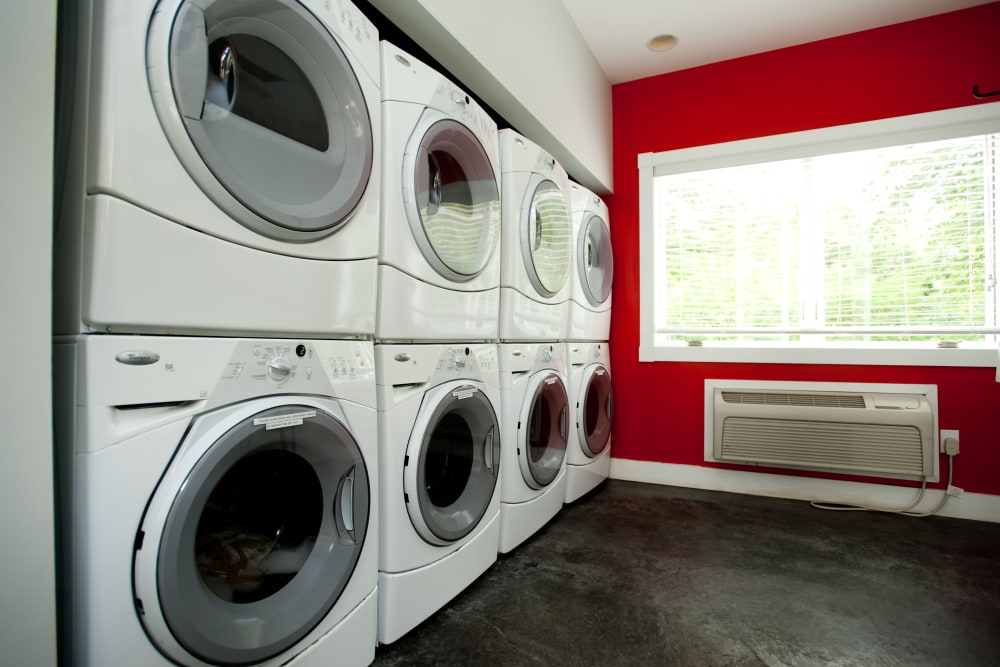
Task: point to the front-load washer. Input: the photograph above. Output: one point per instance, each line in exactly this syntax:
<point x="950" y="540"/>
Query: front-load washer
<point x="439" y="469"/>
<point x="588" y="457"/>
<point x="589" y="312"/>
<point x="535" y="423"/>
<point x="536" y="242"/>
<point x="219" y="501"/>
<point x="439" y="264"/>
<point x="223" y="173"/>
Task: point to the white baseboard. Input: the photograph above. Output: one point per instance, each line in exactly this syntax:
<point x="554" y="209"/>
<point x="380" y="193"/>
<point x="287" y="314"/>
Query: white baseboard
<point x="976" y="506"/>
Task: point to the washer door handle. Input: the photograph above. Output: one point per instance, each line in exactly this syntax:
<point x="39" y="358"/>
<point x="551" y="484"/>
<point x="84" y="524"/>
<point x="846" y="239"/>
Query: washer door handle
<point x="343" y="506"/>
<point x="223" y="75"/>
<point x="488" y="450"/>
<point x="564" y="422"/>
<point x="434" y="195"/>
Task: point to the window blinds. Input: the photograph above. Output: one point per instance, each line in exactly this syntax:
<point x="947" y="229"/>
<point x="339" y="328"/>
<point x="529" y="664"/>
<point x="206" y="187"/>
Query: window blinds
<point x="895" y="243"/>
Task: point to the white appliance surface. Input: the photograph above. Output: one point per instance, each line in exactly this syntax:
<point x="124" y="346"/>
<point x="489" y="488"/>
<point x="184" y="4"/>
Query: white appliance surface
<point x="195" y="202"/>
<point x="589" y="308"/>
<point x="198" y="476"/>
<point x="439" y="260"/>
<point x="588" y="457"/>
<point x="537" y="252"/>
<point x="535" y="412"/>
<point x="439" y="469"/>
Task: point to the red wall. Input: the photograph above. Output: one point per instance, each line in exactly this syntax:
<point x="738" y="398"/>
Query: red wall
<point x="908" y="68"/>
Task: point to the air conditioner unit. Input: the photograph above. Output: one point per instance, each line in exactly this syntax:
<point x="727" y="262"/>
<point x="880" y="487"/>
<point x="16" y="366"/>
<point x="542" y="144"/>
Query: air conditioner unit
<point x="854" y="432"/>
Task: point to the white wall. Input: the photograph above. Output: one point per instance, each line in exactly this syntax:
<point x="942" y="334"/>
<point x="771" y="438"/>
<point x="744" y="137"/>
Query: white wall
<point x="527" y="60"/>
<point x="27" y="574"/>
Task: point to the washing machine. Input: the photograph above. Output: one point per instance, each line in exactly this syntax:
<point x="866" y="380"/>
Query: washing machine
<point x="439" y="263"/>
<point x="588" y="451"/>
<point x="439" y="472"/>
<point x="223" y="169"/>
<point x="589" y="317"/>
<point x="219" y="501"/>
<point x="536" y="242"/>
<point x="535" y="423"/>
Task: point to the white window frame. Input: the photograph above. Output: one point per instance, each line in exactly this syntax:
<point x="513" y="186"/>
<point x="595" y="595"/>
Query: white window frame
<point x="951" y="123"/>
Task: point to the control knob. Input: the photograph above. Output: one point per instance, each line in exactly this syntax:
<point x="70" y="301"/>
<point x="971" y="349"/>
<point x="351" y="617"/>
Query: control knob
<point x="279" y="368"/>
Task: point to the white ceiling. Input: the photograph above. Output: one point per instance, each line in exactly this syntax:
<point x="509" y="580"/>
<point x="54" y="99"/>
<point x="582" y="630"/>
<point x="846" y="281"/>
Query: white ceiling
<point x="714" y="30"/>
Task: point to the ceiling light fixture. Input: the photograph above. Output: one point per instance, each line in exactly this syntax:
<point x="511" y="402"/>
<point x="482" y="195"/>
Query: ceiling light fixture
<point x="662" y="43"/>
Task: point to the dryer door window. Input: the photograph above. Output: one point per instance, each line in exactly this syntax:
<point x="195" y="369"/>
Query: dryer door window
<point x="271" y="105"/>
<point x="543" y="430"/>
<point x="594" y="410"/>
<point x="546" y="237"/>
<point x="594" y="260"/>
<point x="452" y="463"/>
<point x="453" y="202"/>
<point x="260" y="540"/>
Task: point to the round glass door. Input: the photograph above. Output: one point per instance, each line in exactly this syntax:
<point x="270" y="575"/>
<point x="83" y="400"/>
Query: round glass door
<point x="594" y="260"/>
<point x="261" y="538"/>
<point x="453" y="198"/>
<point x="595" y="406"/>
<point x="543" y="431"/>
<point x="546" y="237"/>
<point x="273" y="109"/>
<point x="453" y="463"/>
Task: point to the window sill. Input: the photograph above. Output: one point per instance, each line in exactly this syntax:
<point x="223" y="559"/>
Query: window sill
<point x="917" y="354"/>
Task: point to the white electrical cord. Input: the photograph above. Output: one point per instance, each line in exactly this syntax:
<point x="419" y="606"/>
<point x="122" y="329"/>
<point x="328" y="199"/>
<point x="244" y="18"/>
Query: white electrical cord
<point x="944" y="496"/>
<point x="846" y="507"/>
<point x="950" y="450"/>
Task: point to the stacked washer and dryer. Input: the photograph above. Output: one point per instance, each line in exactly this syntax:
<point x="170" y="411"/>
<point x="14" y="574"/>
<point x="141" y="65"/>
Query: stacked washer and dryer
<point x="534" y="291"/>
<point x="216" y="413"/>
<point x="299" y="334"/>
<point x="435" y="333"/>
<point x="588" y="455"/>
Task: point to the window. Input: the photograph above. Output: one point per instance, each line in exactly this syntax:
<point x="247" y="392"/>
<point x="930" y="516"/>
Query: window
<point x="869" y="243"/>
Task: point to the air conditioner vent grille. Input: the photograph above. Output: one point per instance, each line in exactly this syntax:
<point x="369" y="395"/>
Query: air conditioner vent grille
<point x="795" y="399"/>
<point x="851" y="430"/>
<point x="845" y="446"/>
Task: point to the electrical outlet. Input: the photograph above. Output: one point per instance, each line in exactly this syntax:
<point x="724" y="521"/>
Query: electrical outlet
<point x="945" y="434"/>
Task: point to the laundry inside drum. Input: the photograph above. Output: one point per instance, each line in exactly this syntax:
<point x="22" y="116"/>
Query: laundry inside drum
<point x="259" y="526"/>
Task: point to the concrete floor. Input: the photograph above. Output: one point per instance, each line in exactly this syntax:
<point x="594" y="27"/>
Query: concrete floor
<point x="636" y="574"/>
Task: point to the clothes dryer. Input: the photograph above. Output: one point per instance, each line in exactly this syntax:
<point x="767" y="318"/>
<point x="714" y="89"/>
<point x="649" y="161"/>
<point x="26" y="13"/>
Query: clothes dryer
<point x="439" y="470"/>
<point x="535" y="413"/>
<point x="588" y="458"/>
<point x="220" y="501"/>
<point x="439" y="265"/>
<point x="589" y="312"/>
<point x="536" y="242"/>
<point x="223" y="173"/>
